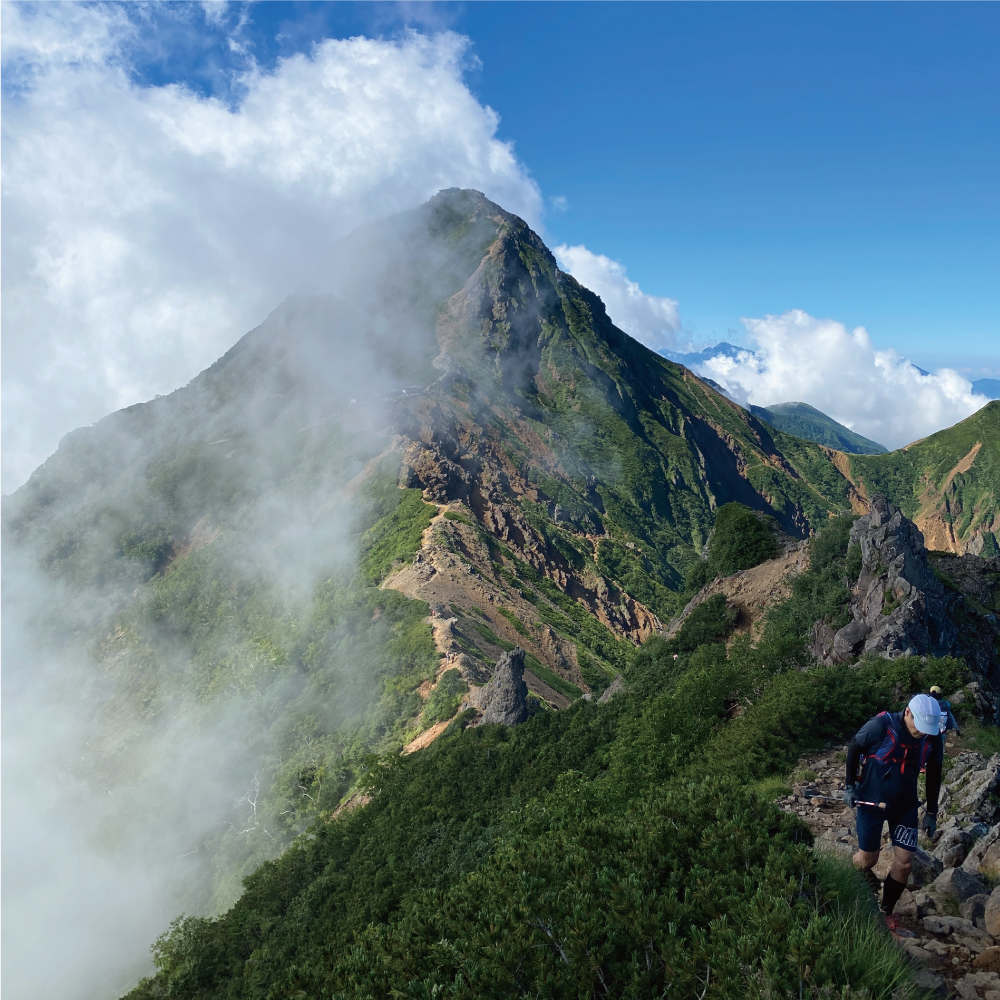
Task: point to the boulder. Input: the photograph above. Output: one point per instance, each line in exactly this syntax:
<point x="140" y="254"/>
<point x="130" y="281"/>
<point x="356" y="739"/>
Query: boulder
<point x="897" y="595"/>
<point x="953" y="846"/>
<point x="952" y="925"/>
<point x="926" y="904"/>
<point x="991" y="916"/>
<point x="989" y="960"/>
<point x="974" y="908"/>
<point x="849" y="641"/>
<point x="974" y="794"/>
<point x="966" y="991"/>
<point x="928" y="982"/>
<point x="907" y="905"/>
<point x="956" y="883"/>
<point x="921" y="956"/>
<point x="982" y="980"/>
<point x="505" y="698"/>
<point x="925" y="868"/>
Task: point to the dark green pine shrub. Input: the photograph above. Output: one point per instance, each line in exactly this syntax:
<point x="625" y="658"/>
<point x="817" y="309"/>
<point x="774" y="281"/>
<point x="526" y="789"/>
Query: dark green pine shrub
<point x="740" y="540"/>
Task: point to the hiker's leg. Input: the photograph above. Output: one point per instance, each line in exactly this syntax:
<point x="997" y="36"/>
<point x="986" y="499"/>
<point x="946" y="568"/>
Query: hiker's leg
<point x="869" y="826"/>
<point x="904" y="843"/>
<point x="902" y="864"/>
<point x="865" y="860"/>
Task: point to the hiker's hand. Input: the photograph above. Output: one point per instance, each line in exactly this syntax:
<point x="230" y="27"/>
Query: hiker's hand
<point x="850" y="797"/>
<point x="929" y="825"/>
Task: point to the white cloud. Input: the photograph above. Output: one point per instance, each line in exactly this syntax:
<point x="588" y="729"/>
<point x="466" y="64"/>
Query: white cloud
<point x="147" y="228"/>
<point x="819" y="361"/>
<point x="651" y="319"/>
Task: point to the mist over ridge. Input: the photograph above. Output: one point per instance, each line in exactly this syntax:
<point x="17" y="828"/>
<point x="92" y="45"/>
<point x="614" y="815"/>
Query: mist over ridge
<point x="227" y="578"/>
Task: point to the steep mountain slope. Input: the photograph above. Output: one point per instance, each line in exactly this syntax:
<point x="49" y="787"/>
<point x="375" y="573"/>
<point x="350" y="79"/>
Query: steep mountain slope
<point x="328" y="538"/>
<point x="807" y="422"/>
<point x="948" y="483"/>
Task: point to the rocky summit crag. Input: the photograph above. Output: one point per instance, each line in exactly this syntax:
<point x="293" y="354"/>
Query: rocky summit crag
<point x="899" y="605"/>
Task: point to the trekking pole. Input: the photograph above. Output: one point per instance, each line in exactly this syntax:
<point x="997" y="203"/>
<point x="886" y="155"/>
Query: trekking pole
<point x="858" y="802"/>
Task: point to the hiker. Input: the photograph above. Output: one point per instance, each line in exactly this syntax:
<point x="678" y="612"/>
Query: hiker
<point x="948" y="720"/>
<point x="894" y="746"/>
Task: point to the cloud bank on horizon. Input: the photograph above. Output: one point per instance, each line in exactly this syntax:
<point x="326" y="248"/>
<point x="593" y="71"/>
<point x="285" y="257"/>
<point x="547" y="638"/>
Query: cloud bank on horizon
<point x="798" y="358"/>
<point x="147" y="228"/>
<point x="819" y="361"/>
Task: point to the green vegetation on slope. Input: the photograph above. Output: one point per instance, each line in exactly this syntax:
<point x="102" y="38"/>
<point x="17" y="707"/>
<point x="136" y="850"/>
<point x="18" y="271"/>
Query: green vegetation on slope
<point x="395" y="537"/>
<point x="739" y="540"/>
<point x="612" y="848"/>
<point x="807" y="422"/>
<point x="924" y="475"/>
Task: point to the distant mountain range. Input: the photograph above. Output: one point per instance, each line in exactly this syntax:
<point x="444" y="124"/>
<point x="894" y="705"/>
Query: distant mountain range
<point x="801" y="419"/>
<point x="807" y="422"/>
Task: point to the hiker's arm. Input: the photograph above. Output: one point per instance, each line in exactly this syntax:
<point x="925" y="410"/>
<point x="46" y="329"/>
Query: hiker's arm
<point x="866" y="739"/>
<point x="854" y="752"/>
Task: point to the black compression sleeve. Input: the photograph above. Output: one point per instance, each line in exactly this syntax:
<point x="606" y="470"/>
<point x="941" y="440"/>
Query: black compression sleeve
<point x="933" y="784"/>
<point x="853" y="760"/>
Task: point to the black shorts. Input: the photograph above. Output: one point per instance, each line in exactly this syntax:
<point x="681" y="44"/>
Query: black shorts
<point x="902" y="827"/>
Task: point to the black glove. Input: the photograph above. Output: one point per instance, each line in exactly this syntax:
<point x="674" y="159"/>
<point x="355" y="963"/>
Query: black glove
<point x="929" y="825"/>
<point x="850" y="797"/>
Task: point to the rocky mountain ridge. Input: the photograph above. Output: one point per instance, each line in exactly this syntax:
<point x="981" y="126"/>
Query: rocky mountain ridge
<point x="900" y="607"/>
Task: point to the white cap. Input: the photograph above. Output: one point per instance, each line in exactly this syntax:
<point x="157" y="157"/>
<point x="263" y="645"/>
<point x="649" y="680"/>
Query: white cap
<point x="926" y="714"/>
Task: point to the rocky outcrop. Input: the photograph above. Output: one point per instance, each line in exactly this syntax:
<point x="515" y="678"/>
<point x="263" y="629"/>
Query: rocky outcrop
<point x="898" y="606"/>
<point x="505" y="698"/>
<point x="898" y="603"/>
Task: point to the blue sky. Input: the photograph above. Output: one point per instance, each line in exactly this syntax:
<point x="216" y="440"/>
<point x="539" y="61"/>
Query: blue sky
<point x="743" y="159"/>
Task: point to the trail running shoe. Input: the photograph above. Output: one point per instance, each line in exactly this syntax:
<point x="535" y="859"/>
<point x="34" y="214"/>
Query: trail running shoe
<point x="893" y="926"/>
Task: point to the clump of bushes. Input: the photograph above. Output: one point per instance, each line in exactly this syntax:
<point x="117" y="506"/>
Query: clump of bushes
<point x="396" y="537"/>
<point x="740" y="540"/>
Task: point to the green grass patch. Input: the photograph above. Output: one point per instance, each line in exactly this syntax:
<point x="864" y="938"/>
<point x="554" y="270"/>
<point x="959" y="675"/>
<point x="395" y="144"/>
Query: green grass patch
<point x="491" y="637"/>
<point x="515" y="621"/>
<point x="396" y="537"/>
<point x="550" y="677"/>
